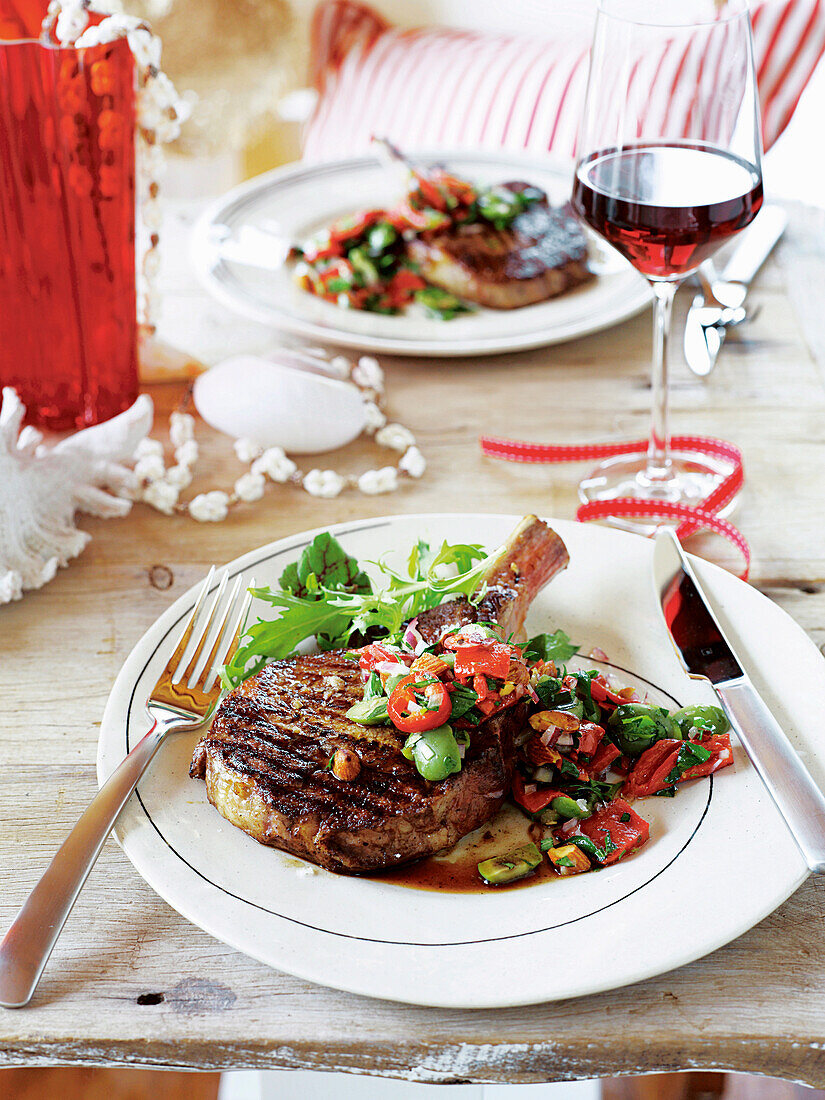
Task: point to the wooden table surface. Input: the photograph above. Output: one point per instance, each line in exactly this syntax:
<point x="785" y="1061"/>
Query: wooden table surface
<point x="132" y="983"/>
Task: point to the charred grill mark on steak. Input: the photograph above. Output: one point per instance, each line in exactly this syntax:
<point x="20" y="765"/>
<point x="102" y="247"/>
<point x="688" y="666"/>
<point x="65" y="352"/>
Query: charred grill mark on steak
<point x="265" y="759"/>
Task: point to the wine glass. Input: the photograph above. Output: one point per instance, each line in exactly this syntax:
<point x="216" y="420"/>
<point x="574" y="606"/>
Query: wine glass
<point x="669" y="169"/>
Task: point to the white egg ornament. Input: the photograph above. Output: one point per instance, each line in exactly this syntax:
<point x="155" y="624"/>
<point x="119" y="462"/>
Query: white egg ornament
<point x="289" y="402"/>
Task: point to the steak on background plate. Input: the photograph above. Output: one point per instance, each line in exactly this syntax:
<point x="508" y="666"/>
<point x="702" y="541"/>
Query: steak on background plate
<point x="541" y="255"/>
<point x="265" y="758"/>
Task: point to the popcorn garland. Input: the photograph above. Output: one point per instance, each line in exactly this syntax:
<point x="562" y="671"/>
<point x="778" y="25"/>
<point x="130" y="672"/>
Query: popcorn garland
<point x="160" y="486"/>
<point x="160" y="113"/>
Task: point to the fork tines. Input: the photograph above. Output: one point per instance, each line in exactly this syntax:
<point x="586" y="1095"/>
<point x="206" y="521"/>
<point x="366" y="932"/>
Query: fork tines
<point x="225" y="638"/>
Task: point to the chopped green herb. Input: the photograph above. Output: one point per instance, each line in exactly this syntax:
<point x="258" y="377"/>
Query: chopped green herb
<point x="339" y="284"/>
<point x="500" y="205"/>
<point x="381" y="236"/>
<point x="586" y="845"/>
<point x="625" y="818"/>
<point x="591" y="849"/>
<point x="594" y="790"/>
<point x="440" y="303"/>
<point x="584" y="690"/>
<point x="609" y="846"/>
<point x="463" y="699"/>
<point x="556" y="697"/>
<point x="689" y="755"/>
<point x="555" y="647"/>
<point x="634" y="727"/>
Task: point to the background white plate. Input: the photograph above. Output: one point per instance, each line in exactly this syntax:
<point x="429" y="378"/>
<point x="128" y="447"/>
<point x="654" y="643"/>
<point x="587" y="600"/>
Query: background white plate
<point x="719" y="859"/>
<point x="250" y="225"/>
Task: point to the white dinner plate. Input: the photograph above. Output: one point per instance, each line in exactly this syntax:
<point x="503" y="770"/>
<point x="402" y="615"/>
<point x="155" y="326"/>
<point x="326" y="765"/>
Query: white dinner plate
<point x="239" y="243"/>
<point x="718" y="861"/>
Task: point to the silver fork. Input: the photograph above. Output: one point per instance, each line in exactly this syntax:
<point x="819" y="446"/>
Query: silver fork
<point x="173" y="706"/>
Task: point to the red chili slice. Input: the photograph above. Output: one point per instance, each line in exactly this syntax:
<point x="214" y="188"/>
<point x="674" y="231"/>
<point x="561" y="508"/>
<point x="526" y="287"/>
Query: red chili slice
<point x="627" y="835"/>
<point x="418" y="721"/>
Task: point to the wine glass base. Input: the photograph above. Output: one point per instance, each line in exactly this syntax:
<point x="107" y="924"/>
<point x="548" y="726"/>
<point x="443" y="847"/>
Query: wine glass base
<point x="691" y="480"/>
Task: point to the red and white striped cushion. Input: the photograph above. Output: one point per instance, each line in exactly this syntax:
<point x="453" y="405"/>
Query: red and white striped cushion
<point x="434" y="87"/>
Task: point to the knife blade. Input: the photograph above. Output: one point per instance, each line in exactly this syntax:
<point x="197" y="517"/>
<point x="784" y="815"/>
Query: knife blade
<point x="707" y="654"/>
<point x="703" y="341"/>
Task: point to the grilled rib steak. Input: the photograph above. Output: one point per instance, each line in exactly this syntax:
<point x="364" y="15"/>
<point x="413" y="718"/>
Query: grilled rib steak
<point x="265" y="758"/>
<point x="542" y="254"/>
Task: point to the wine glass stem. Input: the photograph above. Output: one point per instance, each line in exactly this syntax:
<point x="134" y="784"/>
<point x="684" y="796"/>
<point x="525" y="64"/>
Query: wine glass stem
<point x="659" y="465"/>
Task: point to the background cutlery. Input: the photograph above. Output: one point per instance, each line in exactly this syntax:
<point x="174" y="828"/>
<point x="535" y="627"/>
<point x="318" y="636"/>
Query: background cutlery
<point x="720" y="305"/>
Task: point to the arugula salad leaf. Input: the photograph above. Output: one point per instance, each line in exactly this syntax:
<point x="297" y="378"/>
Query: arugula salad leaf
<point x="329" y="564"/>
<point x="550" y="647"/>
<point x="326" y="596"/>
<point x="453" y="570"/>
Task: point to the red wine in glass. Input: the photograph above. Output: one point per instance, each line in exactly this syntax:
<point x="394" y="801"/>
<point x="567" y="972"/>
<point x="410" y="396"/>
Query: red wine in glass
<point x="667" y="207"/>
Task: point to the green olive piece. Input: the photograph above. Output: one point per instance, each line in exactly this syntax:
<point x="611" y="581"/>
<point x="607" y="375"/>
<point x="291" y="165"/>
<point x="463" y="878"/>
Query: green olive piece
<point x="381" y="236"/>
<point x="435" y="753"/>
<point x="394" y="679"/>
<point x="506" y="868"/>
<point x="634" y="727"/>
<point x="700" y="722"/>
<point x="369" y="712"/>
<point x="568" y="807"/>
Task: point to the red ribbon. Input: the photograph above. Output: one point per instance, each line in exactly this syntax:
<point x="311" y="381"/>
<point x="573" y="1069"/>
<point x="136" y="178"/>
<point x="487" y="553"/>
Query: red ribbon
<point x="693" y="518"/>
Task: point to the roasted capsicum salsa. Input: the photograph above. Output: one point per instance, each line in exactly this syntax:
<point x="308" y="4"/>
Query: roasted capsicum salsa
<point x="361" y="261"/>
<point x="587" y="749"/>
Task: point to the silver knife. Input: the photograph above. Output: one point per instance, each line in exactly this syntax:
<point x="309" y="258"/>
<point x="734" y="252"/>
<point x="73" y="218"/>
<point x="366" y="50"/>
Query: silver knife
<point x="707" y="654"/>
<point x="706" y="324"/>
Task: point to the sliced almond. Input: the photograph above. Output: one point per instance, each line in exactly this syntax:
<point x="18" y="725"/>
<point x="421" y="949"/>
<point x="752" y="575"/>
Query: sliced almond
<point x="538" y="753"/>
<point x="564" y="720"/>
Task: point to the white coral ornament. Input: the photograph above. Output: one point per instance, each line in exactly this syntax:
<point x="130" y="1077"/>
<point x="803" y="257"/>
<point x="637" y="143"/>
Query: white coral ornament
<point x="42" y="488"/>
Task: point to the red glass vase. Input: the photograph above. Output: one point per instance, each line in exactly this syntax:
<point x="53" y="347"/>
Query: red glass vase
<point x="68" y="319"/>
